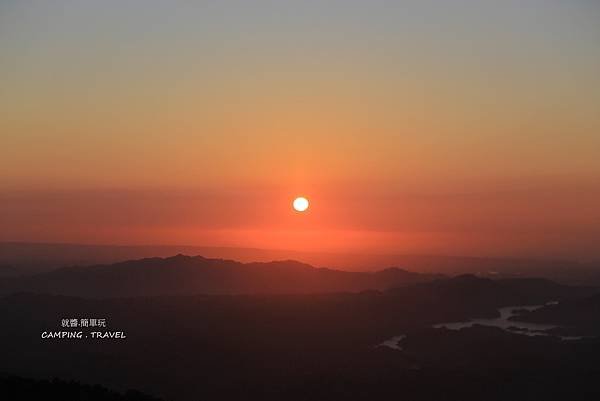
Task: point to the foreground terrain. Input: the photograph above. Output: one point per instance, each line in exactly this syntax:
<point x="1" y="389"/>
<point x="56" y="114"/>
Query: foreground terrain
<point x="302" y="346"/>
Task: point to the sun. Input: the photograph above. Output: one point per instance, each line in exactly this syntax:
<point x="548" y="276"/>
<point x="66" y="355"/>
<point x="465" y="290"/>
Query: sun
<point x="300" y="204"/>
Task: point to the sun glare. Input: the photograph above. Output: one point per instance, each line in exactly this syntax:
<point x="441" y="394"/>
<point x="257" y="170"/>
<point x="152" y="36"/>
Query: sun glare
<point x="300" y="204"/>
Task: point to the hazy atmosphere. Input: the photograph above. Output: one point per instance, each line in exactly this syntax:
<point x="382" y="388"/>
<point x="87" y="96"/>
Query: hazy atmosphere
<point x="464" y="127"/>
<point x="300" y="200"/>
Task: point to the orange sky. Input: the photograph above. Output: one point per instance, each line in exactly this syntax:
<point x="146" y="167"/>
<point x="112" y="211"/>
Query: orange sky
<point x="471" y="129"/>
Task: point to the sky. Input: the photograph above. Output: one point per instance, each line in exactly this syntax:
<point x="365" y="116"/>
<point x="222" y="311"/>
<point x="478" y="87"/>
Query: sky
<point x="463" y="127"/>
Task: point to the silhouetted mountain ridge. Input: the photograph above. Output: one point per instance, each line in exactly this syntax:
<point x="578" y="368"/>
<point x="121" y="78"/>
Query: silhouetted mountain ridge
<point x="32" y="258"/>
<point x="185" y="275"/>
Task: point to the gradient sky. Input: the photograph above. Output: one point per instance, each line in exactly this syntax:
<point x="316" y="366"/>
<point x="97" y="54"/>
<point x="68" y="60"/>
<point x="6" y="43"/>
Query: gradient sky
<point x="458" y="127"/>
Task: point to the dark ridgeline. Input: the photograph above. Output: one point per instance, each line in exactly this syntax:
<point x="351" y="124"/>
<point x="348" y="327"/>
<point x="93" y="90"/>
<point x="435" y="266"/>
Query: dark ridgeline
<point x="22" y="389"/>
<point x="22" y="258"/>
<point x="308" y="343"/>
<point x="185" y="275"/>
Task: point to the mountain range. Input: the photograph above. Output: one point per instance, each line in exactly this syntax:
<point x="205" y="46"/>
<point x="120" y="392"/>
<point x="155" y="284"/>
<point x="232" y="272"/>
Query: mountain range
<point x="23" y="258"/>
<point x="193" y="275"/>
<point x="186" y="275"/>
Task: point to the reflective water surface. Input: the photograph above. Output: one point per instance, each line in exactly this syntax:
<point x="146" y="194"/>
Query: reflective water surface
<point x="503" y="322"/>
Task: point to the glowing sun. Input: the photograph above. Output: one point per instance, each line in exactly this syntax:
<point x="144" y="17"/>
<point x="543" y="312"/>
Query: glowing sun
<point x="300" y="204"/>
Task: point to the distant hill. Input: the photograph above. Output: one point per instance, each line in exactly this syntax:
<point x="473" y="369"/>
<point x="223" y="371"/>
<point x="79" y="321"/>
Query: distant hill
<point x="24" y="258"/>
<point x="483" y="294"/>
<point x="189" y="275"/>
<point x="185" y="275"/>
